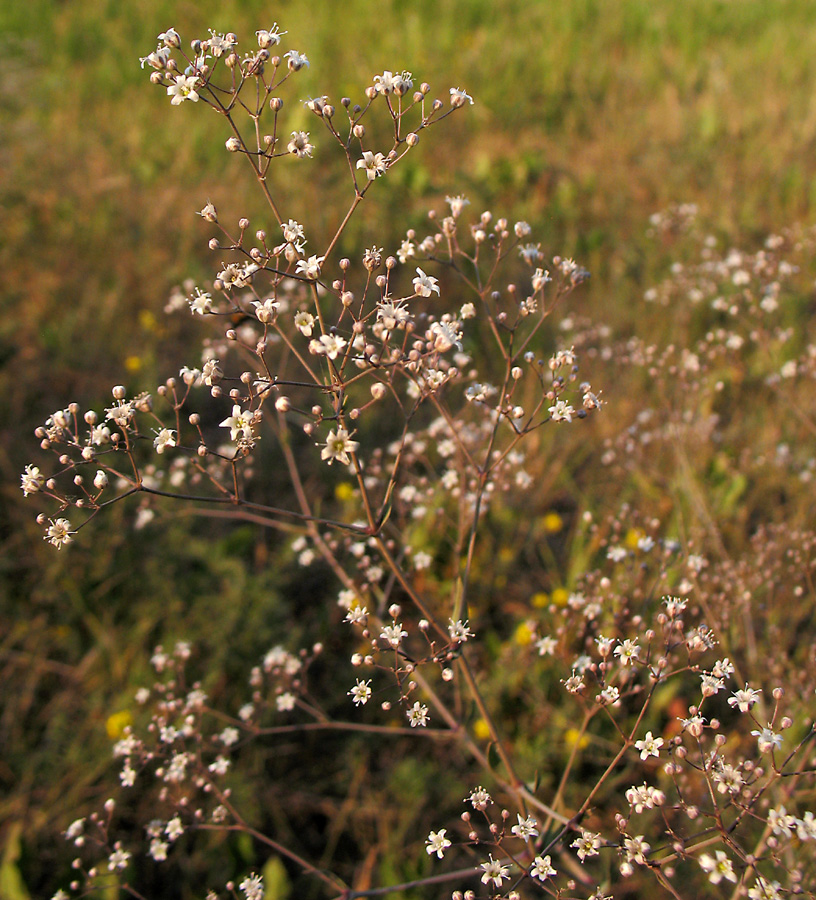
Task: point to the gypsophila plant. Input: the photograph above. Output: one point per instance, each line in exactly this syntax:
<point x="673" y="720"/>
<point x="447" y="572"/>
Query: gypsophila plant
<point x="398" y="394"/>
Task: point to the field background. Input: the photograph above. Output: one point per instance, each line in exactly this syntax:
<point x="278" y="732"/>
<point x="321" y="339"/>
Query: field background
<point x="590" y="116"/>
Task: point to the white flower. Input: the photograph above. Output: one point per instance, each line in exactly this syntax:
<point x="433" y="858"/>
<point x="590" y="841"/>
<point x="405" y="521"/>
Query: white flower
<point x="425" y="285"/>
<point x="201" y="302"/>
<point x="644" y="797"/>
<point x="183" y="89"/>
<point x="329" y="345"/>
<point x="494" y="871"/>
<point x="459" y="631"/>
<point x="767" y="740"/>
<point x="393" y="634"/>
<point x="479" y="798"/>
<point x="164" y="439"/>
<point x="627" y="651"/>
<point x="649" y="746"/>
<point x="157" y="59"/>
<point x="171" y="38"/>
<point x="459" y="98"/>
<point x="765" y="890"/>
<point x="269" y="37"/>
<point x="266" y="310"/>
<point x="418" y="715"/>
<point x="806" y="827"/>
<point x="32" y="480"/>
<point x="158" y="849"/>
<point x="437" y="843"/>
<point x="392" y="314"/>
<point x="338" y="446"/>
<point x="309" y="268"/>
<point x="296" y="60"/>
<point x="239" y="423"/>
<point x="744" y="698"/>
<point x="229" y="736"/>
<point x="526" y="828"/>
<point x="561" y="412"/>
<point x="361" y="694"/>
<point x="220" y="766"/>
<point x="374" y="164"/>
<point x="609" y="696"/>
<point x="59" y="533"/>
<point x="118" y="859"/>
<point x="587" y="844"/>
<point x="718" y="868"/>
<point x="710" y="684"/>
<point x="122" y="413"/>
<point x="253" y="887"/>
<point x="636" y="849"/>
<point x="304" y="322"/>
<point x="457" y="204"/>
<point x="542" y="867"/>
<point x="781" y="821"/>
<point x="299" y="146"/>
<point x="285" y="702"/>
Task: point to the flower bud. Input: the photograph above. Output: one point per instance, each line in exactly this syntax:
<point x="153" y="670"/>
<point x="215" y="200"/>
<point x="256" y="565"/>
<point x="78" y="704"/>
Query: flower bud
<point x="233" y="144"/>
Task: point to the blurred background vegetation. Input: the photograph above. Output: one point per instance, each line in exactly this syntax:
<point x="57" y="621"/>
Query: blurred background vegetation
<point x="590" y="116"/>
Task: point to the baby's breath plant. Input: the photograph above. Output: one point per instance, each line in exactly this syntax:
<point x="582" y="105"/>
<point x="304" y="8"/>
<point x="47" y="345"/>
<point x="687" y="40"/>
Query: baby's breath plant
<point x="390" y="400"/>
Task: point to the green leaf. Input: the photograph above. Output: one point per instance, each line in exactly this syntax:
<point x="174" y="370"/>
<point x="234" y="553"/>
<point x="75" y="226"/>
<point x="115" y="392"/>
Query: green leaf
<point x="277" y="885"/>
<point x="12" y="886"/>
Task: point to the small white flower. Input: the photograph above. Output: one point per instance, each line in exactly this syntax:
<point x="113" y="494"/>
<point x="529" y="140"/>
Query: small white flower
<point x="479" y="798"/>
<point x="627" y="651"/>
<point x="767" y="740"/>
<point x="375" y="164"/>
<point x="239" y="423"/>
<point x="361" y="694"/>
<point x="494" y="871"/>
<point x="252" y="887"/>
<point x="425" y="285"/>
<point x="744" y="698"/>
<point x="649" y="746"/>
<point x="266" y="310"/>
<point x="526" y="828"/>
<point x="183" y="88"/>
<point x="636" y="849"/>
<point x="338" y="446"/>
<point x="418" y="715"/>
<point x="200" y="302"/>
<point x="561" y="411"/>
<point x="765" y="890"/>
<point x="587" y="845"/>
<point x="296" y="60"/>
<point x="158" y="849"/>
<point x="304" y="322"/>
<point x="157" y="59"/>
<point x="542" y="867"/>
<point x="459" y="98"/>
<point x="718" y="868"/>
<point x="164" y="439"/>
<point x="59" y="533"/>
<point x="437" y="843"/>
<point x="309" y="268"/>
<point x="32" y="480"/>
<point x="393" y="634"/>
<point x="459" y="631"/>
<point x="118" y="859"/>
<point x="269" y="37"/>
<point x="300" y="146"/>
<point x="328" y="345"/>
